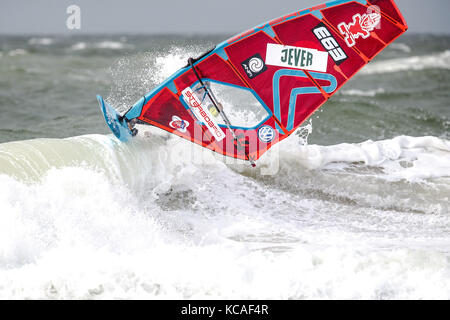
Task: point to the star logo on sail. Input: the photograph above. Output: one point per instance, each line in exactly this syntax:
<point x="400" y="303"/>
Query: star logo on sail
<point x="361" y="27"/>
<point x="179" y="124"/>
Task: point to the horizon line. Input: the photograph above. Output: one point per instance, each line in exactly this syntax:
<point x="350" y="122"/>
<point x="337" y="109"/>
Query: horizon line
<point x="192" y="34"/>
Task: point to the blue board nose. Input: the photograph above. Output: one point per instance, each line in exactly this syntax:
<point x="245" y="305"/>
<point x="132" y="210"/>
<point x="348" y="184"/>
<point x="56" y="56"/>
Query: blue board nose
<point x="118" y="127"/>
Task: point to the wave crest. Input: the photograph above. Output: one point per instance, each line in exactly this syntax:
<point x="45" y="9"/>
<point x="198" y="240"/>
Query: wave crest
<point x="415" y="63"/>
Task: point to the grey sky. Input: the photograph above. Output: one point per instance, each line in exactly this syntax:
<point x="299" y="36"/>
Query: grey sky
<point x="182" y="16"/>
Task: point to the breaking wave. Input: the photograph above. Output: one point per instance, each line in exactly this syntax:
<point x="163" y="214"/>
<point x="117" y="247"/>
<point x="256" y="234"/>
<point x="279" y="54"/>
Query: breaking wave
<point x="41" y="41"/>
<point x="416" y="63"/>
<point x="88" y="217"/>
<point x="17" y="52"/>
<point x="362" y="93"/>
<point x="410" y="158"/>
<point x="110" y="45"/>
<point x="401" y="47"/>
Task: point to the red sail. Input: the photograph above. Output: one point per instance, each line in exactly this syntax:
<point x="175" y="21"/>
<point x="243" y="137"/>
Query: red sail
<point x="289" y="66"/>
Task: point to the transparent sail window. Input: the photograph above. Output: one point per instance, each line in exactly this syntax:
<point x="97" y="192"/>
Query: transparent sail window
<point x="240" y="105"/>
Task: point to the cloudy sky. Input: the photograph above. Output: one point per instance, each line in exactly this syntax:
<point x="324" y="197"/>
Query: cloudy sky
<point x="183" y="16"/>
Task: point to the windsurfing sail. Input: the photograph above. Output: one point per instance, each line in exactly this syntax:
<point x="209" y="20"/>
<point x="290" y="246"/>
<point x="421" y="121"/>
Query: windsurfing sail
<point x="284" y="70"/>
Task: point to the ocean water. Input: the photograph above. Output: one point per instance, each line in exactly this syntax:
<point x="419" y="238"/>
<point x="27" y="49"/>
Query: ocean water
<point x="356" y="205"/>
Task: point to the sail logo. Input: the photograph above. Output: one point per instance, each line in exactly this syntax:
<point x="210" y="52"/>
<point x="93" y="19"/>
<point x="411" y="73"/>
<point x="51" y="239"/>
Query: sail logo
<point x="202" y="113"/>
<point x="296" y="57"/>
<point x="254" y="66"/>
<point x="329" y="43"/>
<point x="179" y="124"/>
<point x="266" y="134"/>
<point x="361" y="27"/>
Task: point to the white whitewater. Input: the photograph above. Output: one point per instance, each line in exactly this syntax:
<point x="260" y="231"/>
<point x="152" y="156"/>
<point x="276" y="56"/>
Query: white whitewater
<point x="88" y="217"/>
